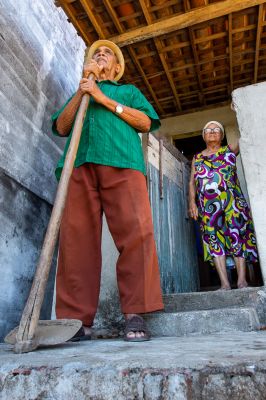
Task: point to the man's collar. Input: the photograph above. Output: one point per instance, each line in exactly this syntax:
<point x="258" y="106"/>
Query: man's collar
<point x="109" y="81"/>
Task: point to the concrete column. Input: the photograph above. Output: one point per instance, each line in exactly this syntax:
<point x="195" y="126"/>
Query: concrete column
<point x="250" y="106"/>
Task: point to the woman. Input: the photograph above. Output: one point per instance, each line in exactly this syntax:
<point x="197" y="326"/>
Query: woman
<point x="215" y="197"/>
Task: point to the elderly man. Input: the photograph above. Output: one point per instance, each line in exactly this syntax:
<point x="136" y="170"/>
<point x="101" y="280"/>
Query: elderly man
<point x="108" y="177"/>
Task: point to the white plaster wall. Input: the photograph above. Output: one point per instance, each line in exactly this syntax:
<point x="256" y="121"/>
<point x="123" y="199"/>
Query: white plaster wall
<point x="193" y="122"/>
<point x="41" y="61"/>
<point x="250" y="106"/>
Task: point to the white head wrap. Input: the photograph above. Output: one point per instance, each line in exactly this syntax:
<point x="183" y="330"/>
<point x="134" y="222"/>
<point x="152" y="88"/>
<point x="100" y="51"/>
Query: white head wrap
<point x="216" y="123"/>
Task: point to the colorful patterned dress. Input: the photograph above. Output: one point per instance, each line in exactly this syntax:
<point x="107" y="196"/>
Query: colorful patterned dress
<point x="225" y="219"/>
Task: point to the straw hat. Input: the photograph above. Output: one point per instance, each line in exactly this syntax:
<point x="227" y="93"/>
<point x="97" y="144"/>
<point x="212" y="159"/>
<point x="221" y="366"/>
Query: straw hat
<point x="114" y="48"/>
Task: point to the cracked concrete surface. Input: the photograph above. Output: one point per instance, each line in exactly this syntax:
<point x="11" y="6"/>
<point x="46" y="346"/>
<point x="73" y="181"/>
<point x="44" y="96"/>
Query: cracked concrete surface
<point x="218" y="366"/>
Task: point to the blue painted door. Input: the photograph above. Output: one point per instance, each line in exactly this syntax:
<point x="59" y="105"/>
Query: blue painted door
<point x="174" y="231"/>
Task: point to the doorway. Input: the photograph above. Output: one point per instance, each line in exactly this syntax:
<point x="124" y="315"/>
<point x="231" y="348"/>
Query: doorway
<point x="209" y="280"/>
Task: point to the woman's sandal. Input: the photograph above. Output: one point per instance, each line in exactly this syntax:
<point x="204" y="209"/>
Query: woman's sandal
<point x="80" y="336"/>
<point x="136" y="324"/>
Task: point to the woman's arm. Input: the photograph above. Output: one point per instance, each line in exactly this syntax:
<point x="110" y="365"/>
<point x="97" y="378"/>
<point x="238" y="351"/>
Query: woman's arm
<point x="235" y="147"/>
<point x="192" y="208"/>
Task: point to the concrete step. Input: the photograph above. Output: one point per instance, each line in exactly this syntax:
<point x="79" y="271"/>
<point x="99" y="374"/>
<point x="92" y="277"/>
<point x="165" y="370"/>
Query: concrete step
<point x="232" y="319"/>
<point x="212" y="300"/>
<point x="207" y="367"/>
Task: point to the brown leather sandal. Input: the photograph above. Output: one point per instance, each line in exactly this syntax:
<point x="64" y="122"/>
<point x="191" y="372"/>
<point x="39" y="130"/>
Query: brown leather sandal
<point x="80" y="336"/>
<point x="136" y="324"/>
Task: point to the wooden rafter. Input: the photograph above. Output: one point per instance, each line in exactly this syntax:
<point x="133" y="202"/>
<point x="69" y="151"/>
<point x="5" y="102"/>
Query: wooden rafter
<point x="162" y="57"/>
<point x="68" y="10"/>
<point x="210" y="37"/>
<point x="196" y="58"/>
<point x="87" y="5"/>
<point x="119" y="27"/>
<point x="192" y="58"/>
<point x="258" y="38"/>
<point x="185" y="20"/>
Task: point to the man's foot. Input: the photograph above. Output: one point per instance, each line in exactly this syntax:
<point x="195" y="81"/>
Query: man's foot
<point x="84" y="333"/>
<point x="135" y="329"/>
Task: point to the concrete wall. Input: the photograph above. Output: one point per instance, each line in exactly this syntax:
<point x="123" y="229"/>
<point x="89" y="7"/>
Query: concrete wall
<point x="193" y="122"/>
<point x="250" y="106"/>
<point x="40" y="64"/>
<point x="109" y="311"/>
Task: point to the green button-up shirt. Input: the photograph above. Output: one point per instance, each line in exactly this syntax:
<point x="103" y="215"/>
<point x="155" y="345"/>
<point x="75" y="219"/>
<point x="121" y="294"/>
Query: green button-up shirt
<point x="106" y="139"/>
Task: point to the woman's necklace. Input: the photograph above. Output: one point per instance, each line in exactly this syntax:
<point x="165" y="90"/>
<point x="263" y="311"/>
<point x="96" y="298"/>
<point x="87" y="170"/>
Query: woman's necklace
<point x="212" y="151"/>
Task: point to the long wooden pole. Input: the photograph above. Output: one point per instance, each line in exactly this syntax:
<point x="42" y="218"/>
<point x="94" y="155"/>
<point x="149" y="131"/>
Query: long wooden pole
<point x="25" y="336"/>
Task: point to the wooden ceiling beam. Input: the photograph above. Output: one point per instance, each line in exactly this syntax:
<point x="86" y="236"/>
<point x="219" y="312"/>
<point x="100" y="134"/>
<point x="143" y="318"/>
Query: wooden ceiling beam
<point x="72" y="17"/>
<point x="132" y="53"/>
<point x="162" y="5"/>
<point x="244" y="28"/>
<point x="258" y="38"/>
<point x="207" y="38"/>
<point x="148" y="54"/>
<point x="244" y="62"/>
<point x="191" y="65"/>
<point x="175" y="46"/>
<point x="185" y="20"/>
<point x="162" y="57"/>
<point x="196" y="57"/>
<point x="58" y="2"/>
<point x="88" y="6"/>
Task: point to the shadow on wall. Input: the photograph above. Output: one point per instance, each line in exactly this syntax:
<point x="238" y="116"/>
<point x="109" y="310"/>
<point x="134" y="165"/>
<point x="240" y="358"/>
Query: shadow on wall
<point x="19" y="248"/>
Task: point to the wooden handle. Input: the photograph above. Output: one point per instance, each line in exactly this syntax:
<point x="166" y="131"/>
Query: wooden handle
<point x="31" y="313"/>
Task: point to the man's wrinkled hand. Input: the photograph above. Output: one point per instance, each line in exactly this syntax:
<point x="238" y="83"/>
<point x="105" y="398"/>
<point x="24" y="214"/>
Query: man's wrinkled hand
<point x="88" y="86"/>
<point x="92" y="67"/>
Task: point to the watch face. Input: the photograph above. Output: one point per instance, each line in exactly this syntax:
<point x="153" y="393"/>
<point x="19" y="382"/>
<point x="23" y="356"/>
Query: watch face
<point x="119" y="109"/>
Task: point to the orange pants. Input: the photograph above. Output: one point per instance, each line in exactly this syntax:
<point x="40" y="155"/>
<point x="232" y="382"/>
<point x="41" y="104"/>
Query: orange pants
<point x="122" y="195"/>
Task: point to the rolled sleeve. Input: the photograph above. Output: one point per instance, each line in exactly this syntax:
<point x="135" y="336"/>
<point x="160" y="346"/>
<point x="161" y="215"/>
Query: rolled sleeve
<point x="56" y="115"/>
<point x="139" y="102"/>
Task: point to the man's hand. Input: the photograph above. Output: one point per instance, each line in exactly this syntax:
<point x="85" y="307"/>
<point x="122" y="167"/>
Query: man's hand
<point x="92" y="67"/>
<point x="90" y="87"/>
<point x="193" y="210"/>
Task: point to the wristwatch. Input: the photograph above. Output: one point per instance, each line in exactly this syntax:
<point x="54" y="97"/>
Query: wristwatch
<point x="119" y="109"/>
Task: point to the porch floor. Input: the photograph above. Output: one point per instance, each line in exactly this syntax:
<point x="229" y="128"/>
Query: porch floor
<point x="218" y="366"/>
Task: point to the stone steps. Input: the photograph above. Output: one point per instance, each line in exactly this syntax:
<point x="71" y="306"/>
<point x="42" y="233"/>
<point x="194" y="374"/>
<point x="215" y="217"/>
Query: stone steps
<point x="234" y="319"/>
<point x="212" y="299"/>
<point x="209" y="312"/>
